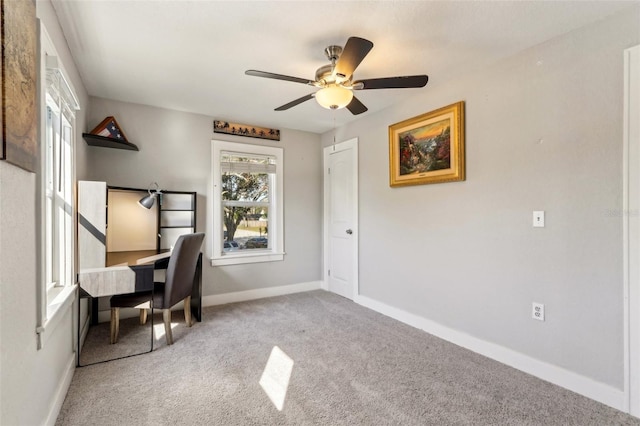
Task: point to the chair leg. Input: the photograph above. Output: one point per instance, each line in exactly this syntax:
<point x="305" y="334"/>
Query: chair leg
<point x="187" y="311"/>
<point x="166" y="316"/>
<point x="143" y="316"/>
<point x="115" y="325"/>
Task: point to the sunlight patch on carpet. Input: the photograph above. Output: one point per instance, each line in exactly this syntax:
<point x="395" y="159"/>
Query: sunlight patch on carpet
<point x="158" y="329"/>
<point x="276" y="375"/>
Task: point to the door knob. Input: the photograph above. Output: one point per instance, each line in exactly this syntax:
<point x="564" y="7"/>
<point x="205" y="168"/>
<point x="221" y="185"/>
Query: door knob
<point x="349" y="231"/>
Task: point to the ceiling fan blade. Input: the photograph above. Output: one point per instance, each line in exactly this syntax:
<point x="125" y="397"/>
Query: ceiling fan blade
<point x="404" y="82"/>
<point x="296" y="102"/>
<point x="353" y="53"/>
<point x="356" y="107"/>
<point x="265" y="74"/>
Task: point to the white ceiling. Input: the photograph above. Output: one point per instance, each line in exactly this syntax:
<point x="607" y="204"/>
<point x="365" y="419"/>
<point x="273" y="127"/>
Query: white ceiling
<point x="192" y="55"/>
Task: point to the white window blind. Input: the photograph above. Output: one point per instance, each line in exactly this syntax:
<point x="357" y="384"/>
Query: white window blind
<point x="246" y="163"/>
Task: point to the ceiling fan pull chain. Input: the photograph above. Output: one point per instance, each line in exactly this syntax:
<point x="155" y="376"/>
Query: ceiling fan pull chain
<point x="334" y="129"/>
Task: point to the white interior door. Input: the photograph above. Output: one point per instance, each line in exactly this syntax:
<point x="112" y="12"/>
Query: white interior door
<point x="341" y="218"/>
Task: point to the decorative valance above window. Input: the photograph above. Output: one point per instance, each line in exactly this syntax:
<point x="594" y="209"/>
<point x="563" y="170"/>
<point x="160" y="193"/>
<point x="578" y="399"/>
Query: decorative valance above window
<point x="59" y="89"/>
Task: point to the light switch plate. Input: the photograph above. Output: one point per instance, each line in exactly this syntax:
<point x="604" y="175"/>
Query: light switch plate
<point x="538" y="219"/>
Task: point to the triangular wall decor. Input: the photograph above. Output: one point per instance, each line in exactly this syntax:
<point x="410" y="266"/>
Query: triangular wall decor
<point x="109" y="128"/>
<point x="108" y="134"/>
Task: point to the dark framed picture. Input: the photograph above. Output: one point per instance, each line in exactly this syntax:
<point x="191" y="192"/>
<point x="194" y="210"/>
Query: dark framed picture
<point x="245" y="130"/>
<point x="428" y="148"/>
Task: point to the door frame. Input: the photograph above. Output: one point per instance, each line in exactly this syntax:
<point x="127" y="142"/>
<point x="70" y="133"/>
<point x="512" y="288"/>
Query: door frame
<point x="631" y="231"/>
<point x="327" y="151"/>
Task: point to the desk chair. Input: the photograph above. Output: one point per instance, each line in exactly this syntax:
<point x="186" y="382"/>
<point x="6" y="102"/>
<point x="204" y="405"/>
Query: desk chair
<point x="177" y="286"/>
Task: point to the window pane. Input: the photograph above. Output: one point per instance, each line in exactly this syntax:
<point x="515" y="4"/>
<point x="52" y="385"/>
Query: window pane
<point x="66" y="174"/>
<point x="48" y="244"/>
<point x="50" y="132"/>
<point x="58" y="169"/>
<point x="60" y="243"/>
<point x="245" y="228"/>
<point x="245" y="186"/>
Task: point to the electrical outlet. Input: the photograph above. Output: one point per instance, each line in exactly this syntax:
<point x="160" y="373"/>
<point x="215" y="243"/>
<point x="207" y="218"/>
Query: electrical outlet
<point x="537" y="311"/>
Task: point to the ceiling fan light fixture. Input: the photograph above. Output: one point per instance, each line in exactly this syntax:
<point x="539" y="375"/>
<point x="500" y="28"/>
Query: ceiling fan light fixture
<point x="334" y="97"/>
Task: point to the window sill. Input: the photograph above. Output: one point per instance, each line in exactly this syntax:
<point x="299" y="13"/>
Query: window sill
<point x="231" y="259"/>
<point x="61" y="298"/>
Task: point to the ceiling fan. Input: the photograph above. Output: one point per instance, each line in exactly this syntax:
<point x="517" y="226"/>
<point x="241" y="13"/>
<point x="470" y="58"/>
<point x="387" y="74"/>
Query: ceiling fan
<point x="336" y="80"/>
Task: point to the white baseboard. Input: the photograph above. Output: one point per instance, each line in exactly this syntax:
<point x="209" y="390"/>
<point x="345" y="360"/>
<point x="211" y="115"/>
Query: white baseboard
<point x="574" y="382"/>
<point x="241" y="296"/>
<point x="221" y="299"/>
<point x="61" y="391"/>
<point x="577" y="383"/>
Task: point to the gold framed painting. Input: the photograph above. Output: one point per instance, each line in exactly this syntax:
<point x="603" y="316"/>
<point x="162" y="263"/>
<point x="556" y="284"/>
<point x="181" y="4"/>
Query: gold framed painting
<point x="428" y="148"/>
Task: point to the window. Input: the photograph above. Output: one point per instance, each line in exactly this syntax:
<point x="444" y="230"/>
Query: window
<point x="56" y="189"/>
<point x="247" y="203"/>
<point x="58" y="171"/>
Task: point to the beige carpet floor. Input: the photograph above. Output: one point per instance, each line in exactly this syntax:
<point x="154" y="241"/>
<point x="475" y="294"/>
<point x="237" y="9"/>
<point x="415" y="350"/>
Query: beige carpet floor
<point x="311" y="359"/>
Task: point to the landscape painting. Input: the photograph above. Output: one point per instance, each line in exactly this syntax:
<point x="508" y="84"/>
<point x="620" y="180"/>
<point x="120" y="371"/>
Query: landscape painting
<point x="428" y="148"/>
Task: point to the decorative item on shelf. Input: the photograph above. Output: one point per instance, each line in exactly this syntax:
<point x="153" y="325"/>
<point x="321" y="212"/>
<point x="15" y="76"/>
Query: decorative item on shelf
<point x="109" y="128"/>
<point x="109" y="134"/>
<point x="148" y="200"/>
<point x="245" y="130"/>
<point x="428" y="148"/>
<point x="18" y="84"/>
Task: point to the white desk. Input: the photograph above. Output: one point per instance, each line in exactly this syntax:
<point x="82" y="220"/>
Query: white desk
<point x="131" y="272"/>
<point x="131" y="276"/>
<point x="114" y="280"/>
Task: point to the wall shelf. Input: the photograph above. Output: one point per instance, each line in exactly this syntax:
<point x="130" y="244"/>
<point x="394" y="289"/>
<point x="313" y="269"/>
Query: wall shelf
<point x="104" y="142"/>
<point x="176" y="216"/>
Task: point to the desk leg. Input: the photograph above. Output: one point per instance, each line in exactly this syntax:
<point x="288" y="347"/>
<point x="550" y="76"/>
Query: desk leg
<point x="81" y="294"/>
<point x="153" y="294"/>
<point x="78" y="327"/>
<point x="196" y="293"/>
<point x="95" y="306"/>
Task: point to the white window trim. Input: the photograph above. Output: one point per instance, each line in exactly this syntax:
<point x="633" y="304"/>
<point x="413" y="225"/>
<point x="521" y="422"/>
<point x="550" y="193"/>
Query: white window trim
<point x="276" y="236"/>
<point x="52" y="301"/>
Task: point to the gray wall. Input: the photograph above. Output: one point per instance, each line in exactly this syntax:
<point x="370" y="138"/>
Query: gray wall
<point x="175" y="151"/>
<point x="32" y="381"/>
<point x="543" y="132"/>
